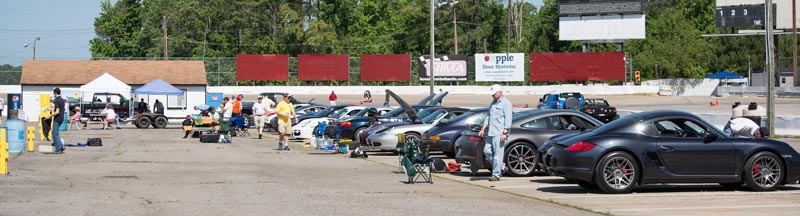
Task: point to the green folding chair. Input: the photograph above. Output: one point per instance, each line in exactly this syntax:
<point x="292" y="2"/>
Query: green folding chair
<point x="415" y="161"/>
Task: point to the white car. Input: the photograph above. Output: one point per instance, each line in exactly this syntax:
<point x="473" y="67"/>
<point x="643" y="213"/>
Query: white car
<point x="305" y="129"/>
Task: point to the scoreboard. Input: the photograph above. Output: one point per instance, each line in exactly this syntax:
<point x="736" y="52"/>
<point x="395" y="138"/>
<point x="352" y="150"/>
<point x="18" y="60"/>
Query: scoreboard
<point x="742" y="16"/>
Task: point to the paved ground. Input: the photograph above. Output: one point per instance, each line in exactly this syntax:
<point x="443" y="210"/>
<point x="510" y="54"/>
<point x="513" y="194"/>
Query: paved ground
<point x="154" y="172"/>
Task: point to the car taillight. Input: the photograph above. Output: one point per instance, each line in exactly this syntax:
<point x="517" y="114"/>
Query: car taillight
<point x="589" y="110"/>
<point x="556" y="103"/>
<point x="581" y="146"/>
<point x="346" y="124"/>
<point x="474" y="138"/>
<point x="614" y="110"/>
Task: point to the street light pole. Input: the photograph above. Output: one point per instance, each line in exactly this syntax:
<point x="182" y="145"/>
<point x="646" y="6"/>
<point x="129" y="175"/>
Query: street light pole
<point x="34" y="46"/>
<point x="771" y="68"/>
<point x="430" y="63"/>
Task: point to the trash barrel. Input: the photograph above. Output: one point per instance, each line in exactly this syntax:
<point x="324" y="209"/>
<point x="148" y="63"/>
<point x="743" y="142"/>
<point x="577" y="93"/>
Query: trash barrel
<point x="15" y="134"/>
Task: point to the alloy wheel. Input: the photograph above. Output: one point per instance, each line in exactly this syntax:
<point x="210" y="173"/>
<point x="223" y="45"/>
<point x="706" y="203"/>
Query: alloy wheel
<point x="619" y="173"/>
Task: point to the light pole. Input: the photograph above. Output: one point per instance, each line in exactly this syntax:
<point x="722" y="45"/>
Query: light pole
<point x="433" y="4"/>
<point x="34" y="46"/>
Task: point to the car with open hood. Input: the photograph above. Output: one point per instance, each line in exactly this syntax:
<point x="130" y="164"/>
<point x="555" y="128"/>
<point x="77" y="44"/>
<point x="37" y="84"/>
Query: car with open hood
<point x="351" y="127"/>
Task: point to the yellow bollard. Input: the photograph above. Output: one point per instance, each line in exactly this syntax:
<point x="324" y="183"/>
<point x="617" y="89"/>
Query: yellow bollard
<point x="31" y="135"/>
<point x="3" y="152"/>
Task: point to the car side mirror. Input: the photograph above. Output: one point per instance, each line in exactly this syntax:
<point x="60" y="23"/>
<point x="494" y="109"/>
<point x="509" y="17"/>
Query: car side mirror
<point x="710" y="137"/>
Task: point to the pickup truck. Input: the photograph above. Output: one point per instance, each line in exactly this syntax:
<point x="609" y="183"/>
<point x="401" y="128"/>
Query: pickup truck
<point x="565" y="100"/>
<point x="99" y="101"/>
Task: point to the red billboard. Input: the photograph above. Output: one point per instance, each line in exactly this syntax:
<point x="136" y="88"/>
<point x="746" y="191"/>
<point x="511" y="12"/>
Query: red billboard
<point x="386" y="67"/>
<point x="262" y="67"/>
<point x="323" y="66"/>
<point x="577" y="66"/>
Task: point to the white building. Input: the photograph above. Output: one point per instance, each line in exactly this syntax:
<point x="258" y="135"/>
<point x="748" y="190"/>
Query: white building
<point x="41" y="76"/>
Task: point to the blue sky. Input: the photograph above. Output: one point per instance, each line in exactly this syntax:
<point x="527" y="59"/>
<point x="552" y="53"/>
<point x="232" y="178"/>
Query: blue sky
<point x="64" y="26"/>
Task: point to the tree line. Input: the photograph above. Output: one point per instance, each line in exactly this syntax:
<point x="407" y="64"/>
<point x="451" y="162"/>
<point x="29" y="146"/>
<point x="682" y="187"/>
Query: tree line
<point x="674" y="47"/>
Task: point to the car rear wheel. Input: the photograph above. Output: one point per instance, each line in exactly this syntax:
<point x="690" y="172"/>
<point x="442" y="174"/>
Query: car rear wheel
<point x="616" y="173"/>
<point x="764" y="171"/>
<point x="520" y="159"/>
<point x="412" y="137"/>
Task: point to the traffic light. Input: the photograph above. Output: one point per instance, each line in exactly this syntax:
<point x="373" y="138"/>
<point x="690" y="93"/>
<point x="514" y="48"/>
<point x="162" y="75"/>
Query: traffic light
<point x="637" y="78"/>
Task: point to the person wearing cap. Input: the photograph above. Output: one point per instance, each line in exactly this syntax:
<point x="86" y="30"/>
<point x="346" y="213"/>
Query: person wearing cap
<point x="498" y="123"/>
<point x="260" y="110"/>
<point x="237" y="107"/>
<point x="75" y="119"/>
<point x="744" y="127"/>
<point x="187" y="126"/>
<point x="285" y="111"/>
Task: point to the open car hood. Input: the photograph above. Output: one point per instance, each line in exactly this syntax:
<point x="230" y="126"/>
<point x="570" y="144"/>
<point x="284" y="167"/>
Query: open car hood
<point x="425" y="100"/>
<point x="412" y="114"/>
<point x="438" y="99"/>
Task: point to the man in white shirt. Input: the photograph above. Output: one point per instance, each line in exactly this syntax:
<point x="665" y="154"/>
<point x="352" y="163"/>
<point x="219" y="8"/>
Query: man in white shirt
<point x="745" y="127"/>
<point x="260" y="110"/>
<point x="227" y="107"/>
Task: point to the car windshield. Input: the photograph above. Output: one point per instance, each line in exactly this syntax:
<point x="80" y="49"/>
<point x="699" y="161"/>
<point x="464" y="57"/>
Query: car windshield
<point x="433" y="116"/>
<point x="394" y="112"/>
<point x="324" y="112"/>
<point x="463" y="116"/>
<point x="599" y="102"/>
<point x="338" y="113"/>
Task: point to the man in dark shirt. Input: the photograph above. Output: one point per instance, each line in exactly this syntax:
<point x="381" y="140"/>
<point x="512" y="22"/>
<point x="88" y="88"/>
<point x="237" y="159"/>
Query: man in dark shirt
<point x="158" y="107"/>
<point x="58" y="118"/>
<point x="142" y="106"/>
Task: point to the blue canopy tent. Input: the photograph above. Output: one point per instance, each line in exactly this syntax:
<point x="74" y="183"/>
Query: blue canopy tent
<point x="158" y="87"/>
<point x="724" y="75"/>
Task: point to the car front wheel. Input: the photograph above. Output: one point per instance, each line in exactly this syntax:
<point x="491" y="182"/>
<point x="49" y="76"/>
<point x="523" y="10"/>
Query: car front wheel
<point x="617" y="173"/>
<point x="763" y="172"/>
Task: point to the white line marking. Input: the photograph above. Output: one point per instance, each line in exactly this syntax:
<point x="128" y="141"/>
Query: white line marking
<point x="710" y="207"/>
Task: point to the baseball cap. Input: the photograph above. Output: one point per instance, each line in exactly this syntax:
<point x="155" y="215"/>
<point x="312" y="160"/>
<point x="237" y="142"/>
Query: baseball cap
<point x="495" y="88"/>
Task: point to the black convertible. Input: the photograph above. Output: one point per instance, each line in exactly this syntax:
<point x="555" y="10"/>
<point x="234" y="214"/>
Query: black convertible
<point x="670" y="147"/>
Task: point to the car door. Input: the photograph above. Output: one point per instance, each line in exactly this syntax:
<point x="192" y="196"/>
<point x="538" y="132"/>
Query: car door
<point x="682" y="147"/>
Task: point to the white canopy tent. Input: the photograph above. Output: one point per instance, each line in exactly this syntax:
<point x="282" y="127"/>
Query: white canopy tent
<point x="105" y="83"/>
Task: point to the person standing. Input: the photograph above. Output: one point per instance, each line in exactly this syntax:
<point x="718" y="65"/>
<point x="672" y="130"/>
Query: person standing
<point x="158" y="107"/>
<point x="498" y="123"/>
<point x="285" y="111"/>
<point x="260" y="110"/>
<point x="237" y="106"/>
<point x="332" y="98"/>
<point x="2" y="107"/>
<point x="227" y="107"/>
<point x="142" y="106"/>
<point x="58" y="114"/>
<point x="744" y="127"/>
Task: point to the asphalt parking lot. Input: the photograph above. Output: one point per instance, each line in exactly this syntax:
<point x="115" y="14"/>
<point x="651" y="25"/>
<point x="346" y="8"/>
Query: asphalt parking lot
<point x="155" y="172"/>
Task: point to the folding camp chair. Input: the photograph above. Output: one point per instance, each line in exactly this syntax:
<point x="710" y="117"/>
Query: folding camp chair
<point x="415" y="161"/>
<point x="225" y="127"/>
<point x="241" y="126"/>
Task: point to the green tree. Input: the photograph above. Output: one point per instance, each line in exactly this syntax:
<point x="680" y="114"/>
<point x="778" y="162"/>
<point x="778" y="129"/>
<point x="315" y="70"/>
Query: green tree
<point x="118" y="30"/>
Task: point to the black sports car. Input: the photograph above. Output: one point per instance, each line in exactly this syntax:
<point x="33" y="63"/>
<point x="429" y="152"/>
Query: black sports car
<point x="670" y="147"/>
<point x="599" y="109"/>
<point x="442" y="136"/>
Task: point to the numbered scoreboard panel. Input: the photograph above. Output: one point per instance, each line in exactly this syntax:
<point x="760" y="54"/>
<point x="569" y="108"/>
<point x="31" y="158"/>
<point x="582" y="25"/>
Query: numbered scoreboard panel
<point x="742" y="16"/>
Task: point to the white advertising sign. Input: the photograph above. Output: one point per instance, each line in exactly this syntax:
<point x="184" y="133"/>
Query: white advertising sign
<point x="606" y="27"/>
<point x="497" y="67"/>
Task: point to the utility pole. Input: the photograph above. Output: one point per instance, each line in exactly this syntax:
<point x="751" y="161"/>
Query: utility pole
<point x="205" y="36"/>
<point x="794" y="40"/>
<point x="455" y="28"/>
<point x="771" y="67"/>
<point x="430" y="63"/>
<point x="508" y="29"/>
<point x="164" y="27"/>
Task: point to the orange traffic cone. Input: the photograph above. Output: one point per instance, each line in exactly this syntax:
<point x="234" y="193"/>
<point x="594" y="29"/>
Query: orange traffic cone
<point x="360" y="102"/>
<point x="717" y="104"/>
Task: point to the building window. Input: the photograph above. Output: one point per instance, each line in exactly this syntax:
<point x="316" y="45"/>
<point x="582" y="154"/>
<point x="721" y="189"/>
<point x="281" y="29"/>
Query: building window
<point x="783" y="80"/>
<point x="177" y="101"/>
